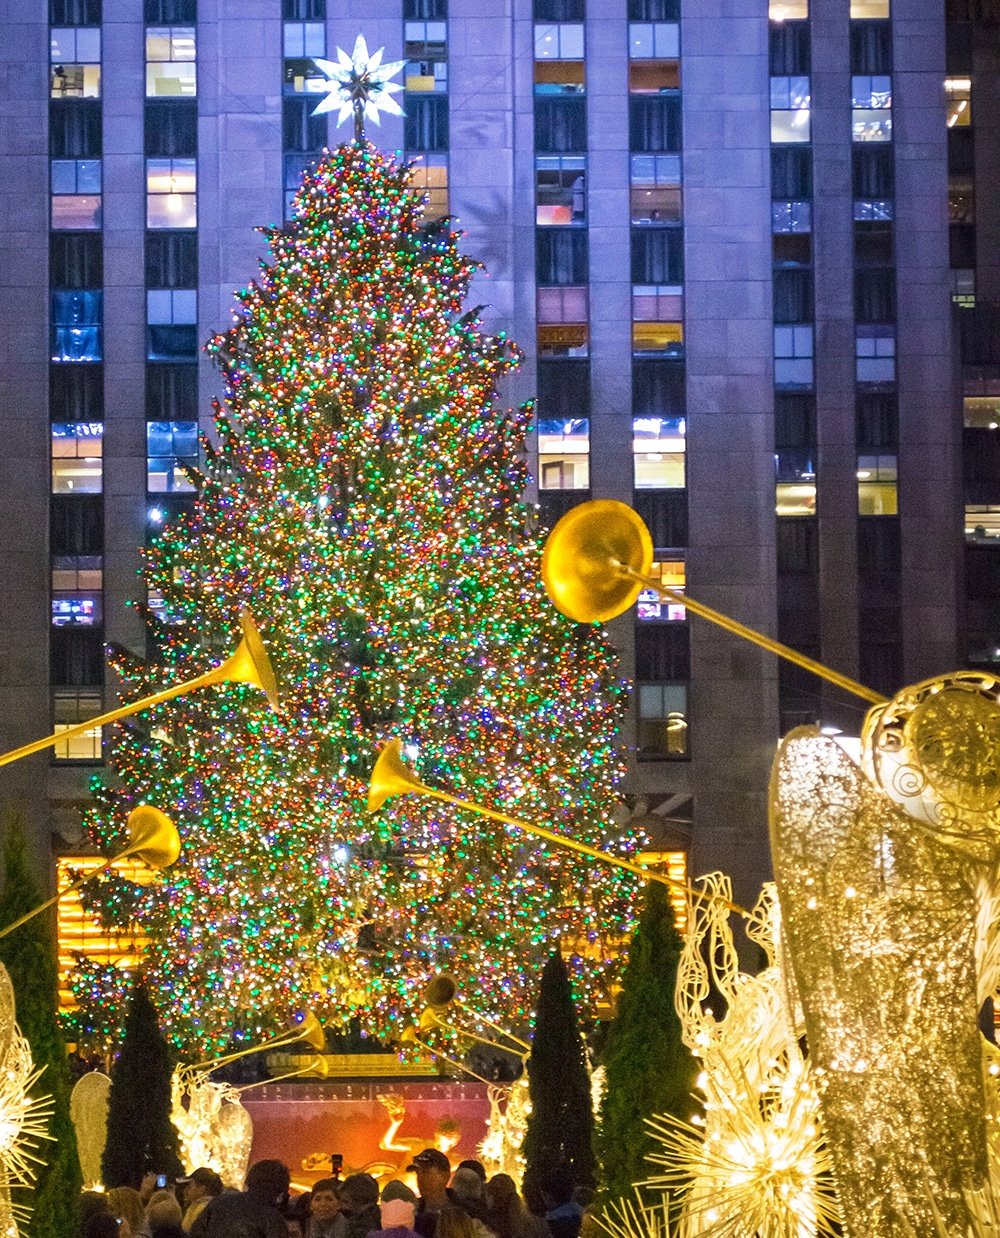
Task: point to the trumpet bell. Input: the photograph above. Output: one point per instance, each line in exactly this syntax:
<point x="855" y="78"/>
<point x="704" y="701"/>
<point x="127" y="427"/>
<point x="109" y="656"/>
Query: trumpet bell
<point x="311" y="1031"/>
<point x="153" y="837"/>
<point x="428" y="1019"/>
<point x="440" y="990"/>
<point x="320" y="1067"/>
<point x="391" y="777"/>
<point x="583" y="557"/>
<point x="250" y="663"/>
<point x="408" y="1036"/>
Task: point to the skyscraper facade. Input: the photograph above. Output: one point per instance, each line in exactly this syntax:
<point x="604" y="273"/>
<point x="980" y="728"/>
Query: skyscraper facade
<point x="738" y="244"/>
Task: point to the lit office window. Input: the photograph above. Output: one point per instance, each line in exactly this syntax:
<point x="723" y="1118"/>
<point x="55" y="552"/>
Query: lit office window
<point x="76" y="194"/>
<point x="303" y="41"/>
<point x="75" y="56"/>
<point x="981" y="412"/>
<point x="877" y="486"/>
<point x="791" y="217"/>
<point x="958" y="91"/>
<point x="76" y="589"/>
<point x="657" y="303"/>
<point x="658" y="452"/>
<point x="790" y="101"/>
<point x="875" y="354"/>
<point x="76" y="325"/>
<point x="561" y="189"/>
<point x="982" y="523"/>
<point x="871" y="109"/>
<point x="654" y="40"/>
<point x="561" y="304"/>
<point x="873" y="10"/>
<point x="559" y="41"/>
<point x="170" y="61"/>
<point x="649" y="77"/>
<point x="171" y="448"/>
<point x="77" y="451"/>
<point x="429" y="176"/>
<point x="793" y="356"/>
<point x="662" y="720"/>
<point x="563" y="339"/>
<point x="564" y="454"/>
<point x="788" y="10"/>
<point x="660" y="338"/>
<point x="70" y="707"/>
<point x="425" y="46"/>
<point x="650" y="607"/>
<point x="795" y="481"/>
<point x="795" y="498"/>
<point x="655" y="188"/>
<point x="171" y="193"/>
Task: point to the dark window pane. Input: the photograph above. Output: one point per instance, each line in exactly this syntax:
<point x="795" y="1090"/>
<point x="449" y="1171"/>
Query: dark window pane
<point x="794" y="420"/>
<point x="560" y="125"/>
<point x="171" y="260"/>
<point x="561" y="256"/>
<point x="873" y="242"/>
<point x="791" y="174"/>
<point x="554" y="504"/>
<point x="558" y="10"/>
<point x="873" y="175"/>
<point x="172" y="342"/>
<point x="879" y="551"/>
<point x="881" y="664"/>
<point x="877" y="420"/>
<point x="306" y="10"/>
<point x="875" y="295"/>
<point x="75" y="129"/>
<point x="171" y="392"/>
<point x="962" y="245"/>
<point x="871" y="47"/>
<point x="798" y="545"/>
<point x="961" y="156"/>
<point x="654" y="10"/>
<point x="657" y="389"/>
<point x="958" y="41"/>
<point x="662" y="651"/>
<point x="77" y="657"/>
<point x="979" y="333"/>
<point x="76" y="524"/>
<point x="657" y="255"/>
<point x="76" y="393"/>
<point x="789" y="48"/>
<point x="425" y="125"/>
<point x="563" y="390"/>
<point x="171" y="128"/>
<point x="654" y="123"/>
<point x="76" y="259"/>
<point x="664" y="513"/>
<point x="75" y="12"/>
<point x="300" y="129"/>
<point x="169" y="12"/>
<point x="793" y="295"/>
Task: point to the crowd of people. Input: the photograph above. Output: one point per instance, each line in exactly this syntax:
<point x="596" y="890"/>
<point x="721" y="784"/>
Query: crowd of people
<point x="463" y="1204"/>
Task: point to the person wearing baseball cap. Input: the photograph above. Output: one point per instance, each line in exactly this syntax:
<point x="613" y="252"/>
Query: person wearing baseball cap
<point x="433" y="1169"/>
<point x="196" y="1191"/>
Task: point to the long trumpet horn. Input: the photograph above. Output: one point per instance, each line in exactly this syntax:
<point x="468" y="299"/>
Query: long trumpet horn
<point x="308" y="1028"/>
<point x="318" y="1067"/>
<point x="597" y="561"/>
<point x="409" y="1036"/>
<point x="441" y="991"/>
<point x="153" y="838"/>
<point x="391" y="777"/>
<point x="249" y="664"/>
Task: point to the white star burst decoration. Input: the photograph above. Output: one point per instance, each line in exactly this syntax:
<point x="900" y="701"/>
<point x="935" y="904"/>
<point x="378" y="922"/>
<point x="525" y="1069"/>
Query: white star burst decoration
<point x="359" y="85"/>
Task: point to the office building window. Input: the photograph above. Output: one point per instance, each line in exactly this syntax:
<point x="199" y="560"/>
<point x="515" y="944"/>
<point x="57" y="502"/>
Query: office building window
<point x="68" y="709"/>
<point x="559" y="41"/>
<point x="658" y="389"/>
<point x="564" y="454"/>
<point x="171" y="321"/>
<point x="657" y="303"/>
<point x="76" y="194"/>
<point x="875" y="354"/>
<point x="560" y="256"/>
<point x="793" y="356"/>
<point x="304" y="39"/>
<point x="75" y="129"/>
<point x="563" y="339"/>
<point x="170" y="61"/>
<point x="869" y="10"/>
<point x="425" y="124"/>
<point x="429" y="176"/>
<point x="560" y="189"/>
<point x="662" y="710"/>
<point x="958" y="92"/>
<point x="76" y="260"/>
<point x="171" y="193"/>
<point x="650" y="607"/>
<point x="172" y="447"/>
<point x="982" y="523"/>
<point x="655" y="188"/>
<point x="877" y="486"/>
<point x="561" y="304"/>
<point x="296" y="165"/>
<point x="790" y="109"/>
<point x="788" y="10"/>
<point x="654" y="122"/>
<point x="654" y="41"/>
<point x="75" y="56"/>
<point x="76" y="590"/>
<point x="871" y="109"/>
<point x="662" y="338"/>
<point x="77" y="451"/>
<point x="658" y="452"/>
<point x="76" y="325"/>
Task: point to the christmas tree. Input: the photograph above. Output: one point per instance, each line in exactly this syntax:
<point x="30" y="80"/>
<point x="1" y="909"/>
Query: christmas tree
<point x="650" y="1073"/>
<point x="364" y="497"/>
<point x="29" y="955"/>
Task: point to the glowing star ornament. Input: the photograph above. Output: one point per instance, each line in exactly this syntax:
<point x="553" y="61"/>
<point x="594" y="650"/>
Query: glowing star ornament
<point x="359" y="85"/>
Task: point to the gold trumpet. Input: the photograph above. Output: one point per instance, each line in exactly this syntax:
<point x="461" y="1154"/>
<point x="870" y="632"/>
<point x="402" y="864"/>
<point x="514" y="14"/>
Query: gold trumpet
<point x="310" y="1030"/>
<point x="391" y="777"/>
<point x="409" y="1037"/>
<point x="319" y="1067"/>
<point x="441" y="992"/>
<point x="597" y="561"/>
<point x="153" y="838"/>
<point x="249" y="664"/>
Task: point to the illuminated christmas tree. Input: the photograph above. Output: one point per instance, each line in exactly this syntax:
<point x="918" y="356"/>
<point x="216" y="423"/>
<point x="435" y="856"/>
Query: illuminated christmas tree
<point x="363" y="497"/>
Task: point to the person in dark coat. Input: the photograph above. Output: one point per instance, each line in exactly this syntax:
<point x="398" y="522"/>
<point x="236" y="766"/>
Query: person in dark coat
<point x="253" y="1213"/>
<point x="359" y="1204"/>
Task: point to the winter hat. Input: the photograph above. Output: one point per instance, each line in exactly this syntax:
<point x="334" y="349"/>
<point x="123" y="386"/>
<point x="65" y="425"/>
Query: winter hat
<point x="396" y="1213"/>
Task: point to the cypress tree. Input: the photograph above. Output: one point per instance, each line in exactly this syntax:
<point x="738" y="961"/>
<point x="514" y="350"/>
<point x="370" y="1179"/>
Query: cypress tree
<point x="649" y="1069"/>
<point x="561" y="1124"/>
<point x="29" y="954"/>
<point x="141" y="1137"/>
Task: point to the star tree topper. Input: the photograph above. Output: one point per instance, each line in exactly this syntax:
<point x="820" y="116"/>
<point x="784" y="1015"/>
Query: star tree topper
<point x="359" y="84"/>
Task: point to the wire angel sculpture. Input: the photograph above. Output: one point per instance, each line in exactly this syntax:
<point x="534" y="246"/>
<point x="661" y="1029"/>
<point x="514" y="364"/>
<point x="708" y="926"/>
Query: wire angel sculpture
<point x="213" y="1128"/>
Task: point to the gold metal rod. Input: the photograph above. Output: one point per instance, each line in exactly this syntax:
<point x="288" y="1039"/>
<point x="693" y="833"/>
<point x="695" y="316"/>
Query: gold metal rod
<point x="481" y="1040"/>
<point x="755" y="637"/>
<point x="489" y="1023"/>
<point x="422" y="1044"/>
<point x="261" y="1083"/>
<point x="562" y="840"/>
<point x="276" y="1042"/>
<point x="114" y="715"/>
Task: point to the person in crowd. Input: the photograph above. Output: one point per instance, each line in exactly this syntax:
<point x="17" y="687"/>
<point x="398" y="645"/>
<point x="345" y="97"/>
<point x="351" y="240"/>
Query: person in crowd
<point x="433" y="1169"/>
<point x="359" y="1203"/>
<point x="455" y="1222"/>
<point x="325" y="1218"/>
<point x="477" y="1168"/>
<point x="255" y="1212"/>
<point x="397" y="1219"/>
<point x="125" y="1202"/>
<point x="105" y="1225"/>
<point x="468" y="1192"/>
<point x="507" y="1215"/>
<point x="89" y="1203"/>
<point x="396" y="1189"/>
<point x="562" y="1214"/>
<point x="167" y="1229"/>
<point x="197" y="1191"/>
<point x="162" y="1210"/>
